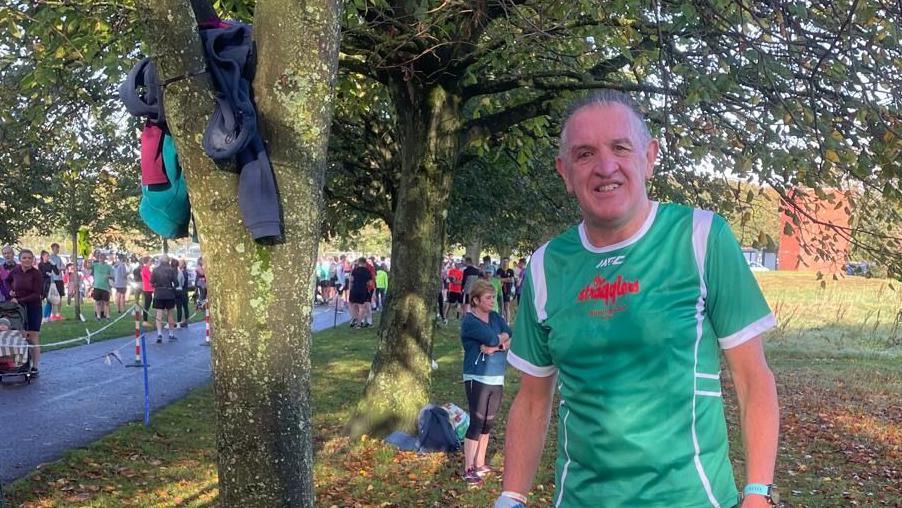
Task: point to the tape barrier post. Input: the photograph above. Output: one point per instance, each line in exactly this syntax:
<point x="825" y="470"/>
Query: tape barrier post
<point x="146" y="384"/>
<point x="206" y="341"/>
<point x="335" y="314"/>
<point x="138" y="336"/>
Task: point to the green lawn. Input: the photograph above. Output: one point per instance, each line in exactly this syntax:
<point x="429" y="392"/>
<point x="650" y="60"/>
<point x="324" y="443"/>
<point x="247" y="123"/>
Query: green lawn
<point x="836" y="358"/>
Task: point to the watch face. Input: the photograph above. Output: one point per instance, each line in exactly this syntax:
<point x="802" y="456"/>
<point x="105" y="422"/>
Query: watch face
<point x="774" y="493"/>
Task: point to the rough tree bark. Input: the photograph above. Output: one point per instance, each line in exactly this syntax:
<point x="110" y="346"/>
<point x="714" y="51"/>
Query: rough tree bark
<point x="474" y="251"/>
<point x="260" y="296"/>
<point x="398" y="383"/>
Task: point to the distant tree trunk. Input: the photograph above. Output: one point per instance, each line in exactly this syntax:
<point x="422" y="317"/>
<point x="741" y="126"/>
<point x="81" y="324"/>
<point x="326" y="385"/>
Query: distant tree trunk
<point x="474" y="249"/>
<point x="504" y="252"/>
<point x="398" y="383"/>
<point x="165" y="245"/>
<point x="77" y="282"/>
<point x="260" y="296"/>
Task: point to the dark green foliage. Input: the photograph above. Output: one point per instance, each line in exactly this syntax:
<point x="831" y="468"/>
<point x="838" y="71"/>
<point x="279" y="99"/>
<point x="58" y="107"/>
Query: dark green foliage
<point x="63" y="135"/>
<point x="782" y="94"/>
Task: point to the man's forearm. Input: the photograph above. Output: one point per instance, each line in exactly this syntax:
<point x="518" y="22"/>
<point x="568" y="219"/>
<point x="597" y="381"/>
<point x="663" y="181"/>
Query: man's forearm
<point x="525" y="440"/>
<point x="760" y="415"/>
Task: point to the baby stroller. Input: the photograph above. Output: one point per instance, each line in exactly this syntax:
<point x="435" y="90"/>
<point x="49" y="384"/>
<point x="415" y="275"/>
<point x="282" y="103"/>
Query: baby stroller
<point x="15" y="357"/>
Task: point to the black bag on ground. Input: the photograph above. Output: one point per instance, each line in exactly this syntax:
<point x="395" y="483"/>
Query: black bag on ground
<point x="435" y="431"/>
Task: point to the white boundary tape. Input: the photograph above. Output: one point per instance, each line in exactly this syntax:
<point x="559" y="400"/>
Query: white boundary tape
<point x="106" y="357"/>
<point x="89" y="334"/>
<point x="84" y="338"/>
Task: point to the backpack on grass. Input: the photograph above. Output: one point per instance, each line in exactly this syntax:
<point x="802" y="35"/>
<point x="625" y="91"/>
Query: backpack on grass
<point x="435" y="431"/>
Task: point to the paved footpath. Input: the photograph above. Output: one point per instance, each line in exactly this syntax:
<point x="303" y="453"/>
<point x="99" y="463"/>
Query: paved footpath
<point x="79" y="399"/>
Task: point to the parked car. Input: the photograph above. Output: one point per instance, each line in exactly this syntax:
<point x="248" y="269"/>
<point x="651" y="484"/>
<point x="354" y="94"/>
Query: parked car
<point x="862" y="268"/>
<point x="758" y="267"/>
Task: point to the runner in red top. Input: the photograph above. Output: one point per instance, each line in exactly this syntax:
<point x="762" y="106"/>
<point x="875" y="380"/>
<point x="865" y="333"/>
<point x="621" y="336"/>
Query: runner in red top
<point x="455" y="289"/>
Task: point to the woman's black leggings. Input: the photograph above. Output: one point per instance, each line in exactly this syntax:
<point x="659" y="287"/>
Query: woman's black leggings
<point x="181" y="305"/>
<point x="484" y="400"/>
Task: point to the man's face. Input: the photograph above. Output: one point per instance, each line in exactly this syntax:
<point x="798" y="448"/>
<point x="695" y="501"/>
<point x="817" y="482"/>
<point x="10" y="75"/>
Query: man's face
<point x="55" y="249"/>
<point x="8" y="255"/>
<point x="504" y="264"/>
<point x="606" y="164"/>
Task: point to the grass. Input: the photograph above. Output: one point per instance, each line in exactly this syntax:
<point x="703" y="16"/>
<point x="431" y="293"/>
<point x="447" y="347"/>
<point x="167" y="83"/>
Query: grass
<point x="70" y="328"/>
<point x="839" y="376"/>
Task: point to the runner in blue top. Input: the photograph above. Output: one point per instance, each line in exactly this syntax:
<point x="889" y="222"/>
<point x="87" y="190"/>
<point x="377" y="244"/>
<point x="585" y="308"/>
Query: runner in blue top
<point x="628" y="314"/>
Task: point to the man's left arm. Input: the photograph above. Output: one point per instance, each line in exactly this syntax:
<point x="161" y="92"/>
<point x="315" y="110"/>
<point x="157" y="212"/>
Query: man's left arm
<point x="759" y="413"/>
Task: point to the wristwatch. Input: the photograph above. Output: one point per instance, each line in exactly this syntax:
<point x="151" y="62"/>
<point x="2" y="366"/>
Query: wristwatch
<point x="770" y="492"/>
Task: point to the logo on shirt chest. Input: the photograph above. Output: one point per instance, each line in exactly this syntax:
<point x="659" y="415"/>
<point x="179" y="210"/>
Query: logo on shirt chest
<point x="601" y="289"/>
<point x="611" y="261"/>
<point x="610" y="293"/>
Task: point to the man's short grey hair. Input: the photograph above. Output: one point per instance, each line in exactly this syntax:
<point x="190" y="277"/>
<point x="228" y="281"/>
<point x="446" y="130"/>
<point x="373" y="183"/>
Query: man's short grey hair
<point x="605" y="97"/>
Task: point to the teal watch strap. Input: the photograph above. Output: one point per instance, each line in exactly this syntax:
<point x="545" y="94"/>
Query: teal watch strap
<point x="756" y="488"/>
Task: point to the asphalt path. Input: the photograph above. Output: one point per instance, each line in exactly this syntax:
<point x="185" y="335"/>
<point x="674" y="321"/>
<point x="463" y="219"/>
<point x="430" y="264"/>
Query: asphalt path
<point x="78" y="398"/>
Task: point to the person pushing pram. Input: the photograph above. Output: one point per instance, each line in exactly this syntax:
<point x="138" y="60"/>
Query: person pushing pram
<point x="15" y="360"/>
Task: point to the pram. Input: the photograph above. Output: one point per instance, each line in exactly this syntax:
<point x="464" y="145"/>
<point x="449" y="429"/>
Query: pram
<point x="15" y="357"/>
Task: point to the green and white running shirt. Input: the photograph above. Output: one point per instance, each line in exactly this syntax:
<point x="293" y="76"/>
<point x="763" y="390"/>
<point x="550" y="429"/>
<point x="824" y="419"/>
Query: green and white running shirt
<point x="634" y="332"/>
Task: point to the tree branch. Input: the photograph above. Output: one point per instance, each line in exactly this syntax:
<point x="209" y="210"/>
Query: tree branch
<point x="502" y="120"/>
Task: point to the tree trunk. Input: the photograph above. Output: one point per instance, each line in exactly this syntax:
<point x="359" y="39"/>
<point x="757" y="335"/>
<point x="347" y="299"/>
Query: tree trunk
<point x="76" y="274"/>
<point x="260" y="296"/>
<point x="474" y="250"/>
<point x="398" y="383"/>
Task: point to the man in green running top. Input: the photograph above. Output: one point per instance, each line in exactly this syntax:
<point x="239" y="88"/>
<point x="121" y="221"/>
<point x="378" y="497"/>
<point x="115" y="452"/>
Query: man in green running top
<point x="628" y="314"/>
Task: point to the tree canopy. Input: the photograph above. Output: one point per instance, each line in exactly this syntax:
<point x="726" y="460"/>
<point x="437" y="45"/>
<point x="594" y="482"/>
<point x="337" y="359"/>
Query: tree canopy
<point x="66" y="147"/>
<point x="784" y="94"/>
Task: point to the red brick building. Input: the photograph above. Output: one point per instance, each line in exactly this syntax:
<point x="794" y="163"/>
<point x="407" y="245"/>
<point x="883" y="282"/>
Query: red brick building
<point x="807" y="242"/>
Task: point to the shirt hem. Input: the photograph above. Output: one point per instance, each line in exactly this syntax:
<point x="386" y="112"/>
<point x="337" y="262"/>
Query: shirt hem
<point x="486" y="380"/>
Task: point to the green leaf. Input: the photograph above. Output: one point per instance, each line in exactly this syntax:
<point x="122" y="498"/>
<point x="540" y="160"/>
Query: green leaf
<point x="14" y="29"/>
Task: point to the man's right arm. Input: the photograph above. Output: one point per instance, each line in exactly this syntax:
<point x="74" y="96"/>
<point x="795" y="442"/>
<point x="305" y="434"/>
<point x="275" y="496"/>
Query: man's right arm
<point x="526" y="431"/>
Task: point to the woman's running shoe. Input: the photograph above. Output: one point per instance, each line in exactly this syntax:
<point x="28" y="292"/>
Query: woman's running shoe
<point x="472" y="479"/>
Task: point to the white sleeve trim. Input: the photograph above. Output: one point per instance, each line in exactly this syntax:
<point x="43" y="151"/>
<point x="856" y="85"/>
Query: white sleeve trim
<point x="539" y="289"/>
<point x="749" y="332"/>
<point x="533" y="370"/>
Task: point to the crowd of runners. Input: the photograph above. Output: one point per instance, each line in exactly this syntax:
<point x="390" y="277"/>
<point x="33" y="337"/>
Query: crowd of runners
<point x="457" y="285"/>
<point x="43" y="284"/>
<point x="359" y="285"/>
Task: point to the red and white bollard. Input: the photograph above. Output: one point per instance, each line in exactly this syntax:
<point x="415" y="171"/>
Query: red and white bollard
<point x="137" y="337"/>
<point x="207" y="323"/>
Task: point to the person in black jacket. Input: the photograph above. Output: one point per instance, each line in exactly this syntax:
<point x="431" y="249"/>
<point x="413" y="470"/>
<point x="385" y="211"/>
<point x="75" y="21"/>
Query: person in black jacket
<point x="181" y="292"/>
<point x="47" y="270"/>
<point x="164" y="280"/>
<point x="359" y="294"/>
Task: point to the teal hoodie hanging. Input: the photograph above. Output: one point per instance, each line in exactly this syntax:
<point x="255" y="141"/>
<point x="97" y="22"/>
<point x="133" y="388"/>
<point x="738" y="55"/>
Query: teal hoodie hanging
<point x="165" y="207"/>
